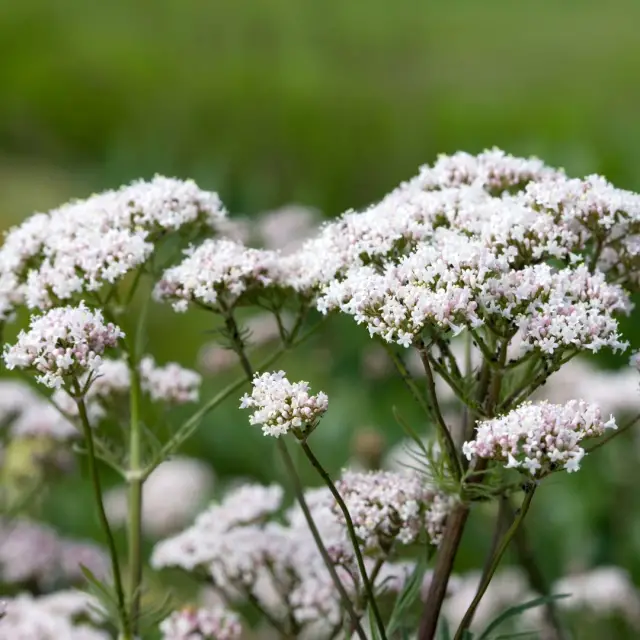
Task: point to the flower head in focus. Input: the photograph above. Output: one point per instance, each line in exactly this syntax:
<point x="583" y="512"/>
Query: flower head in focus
<point x="85" y="244"/>
<point x="281" y="406"/>
<point x="538" y="438"/>
<point x="64" y="342"/>
<point x="216" y="274"/>
<point x="201" y="624"/>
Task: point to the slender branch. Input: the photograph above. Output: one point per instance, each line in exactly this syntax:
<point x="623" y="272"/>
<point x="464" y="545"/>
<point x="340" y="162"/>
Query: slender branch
<point x="297" y="487"/>
<point x="104" y="521"/>
<point x="456" y="521"/>
<point x="537" y="580"/>
<point x="299" y="493"/>
<point x="352" y="535"/>
<point x="488" y="575"/>
<point x="445" y="434"/>
<point x="442" y="570"/>
<point x="135" y="479"/>
<point x="408" y="380"/>
<point x="274" y="622"/>
<point x="187" y="428"/>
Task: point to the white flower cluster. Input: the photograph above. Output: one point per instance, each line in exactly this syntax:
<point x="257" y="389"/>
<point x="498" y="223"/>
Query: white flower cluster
<point x="216" y="274"/>
<point x="634" y="361"/>
<point x="25" y="414"/>
<point x="471" y="241"/>
<point x="390" y="506"/>
<point x="84" y="244"/>
<point x="64" y="341"/>
<point x="456" y="281"/>
<point x="248" y="551"/>
<point x="50" y="617"/>
<point x="604" y="591"/>
<point x="281" y="406"/>
<point x="32" y="553"/>
<point x="538" y="438"/>
<point x="286" y="228"/>
<point x="187" y="480"/>
<point x="170" y="383"/>
<point x="248" y="554"/>
<point x="197" y="545"/>
<point x="201" y="624"/>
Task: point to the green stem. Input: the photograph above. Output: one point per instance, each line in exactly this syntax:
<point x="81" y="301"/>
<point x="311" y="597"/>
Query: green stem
<point x="352" y="535"/>
<point x="187" y="428"/>
<point x="445" y="434"/>
<point x="299" y="493"/>
<point x="488" y="575"/>
<point x="297" y="485"/>
<point x="135" y="479"/>
<point x="104" y="521"/>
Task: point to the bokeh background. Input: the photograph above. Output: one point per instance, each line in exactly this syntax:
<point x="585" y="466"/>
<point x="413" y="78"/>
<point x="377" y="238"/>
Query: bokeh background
<point x="327" y="104"/>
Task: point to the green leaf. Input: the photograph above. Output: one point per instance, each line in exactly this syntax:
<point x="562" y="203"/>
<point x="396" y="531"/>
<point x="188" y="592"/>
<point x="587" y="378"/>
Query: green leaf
<point x="444" y="631"/>
<point x="521" y="634"/>
<point x="375" y="633"/>
<point x="407" y="596"/>
<point x="103" y="593"/>
<point x="410" y="431"/>
<point x="517" y="610"/>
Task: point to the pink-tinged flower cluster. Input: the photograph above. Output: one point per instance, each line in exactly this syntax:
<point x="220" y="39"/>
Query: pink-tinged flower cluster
<point x="281" y="406"/>
<point x="63" y="342"/>
<point x="33" y="553"/>
<point x="539" y="438"/>
<point x="634" y="361"/>
<point x="493" y="170"/>
<point x="201" y="624"/>
<point x="169" y="383"/>
<point x="86" y="243"/>
<point x="216" y="274"/>
<point x="62" y="614"/>
<point x="390" y="506"/>
<point x="456" y="282"/>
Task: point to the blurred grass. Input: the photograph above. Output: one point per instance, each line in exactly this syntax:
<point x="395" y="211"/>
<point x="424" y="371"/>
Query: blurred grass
<point x="330" y="104"/>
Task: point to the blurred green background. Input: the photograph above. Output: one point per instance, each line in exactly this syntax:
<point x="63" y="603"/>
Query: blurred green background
<point x="329" y="104"/>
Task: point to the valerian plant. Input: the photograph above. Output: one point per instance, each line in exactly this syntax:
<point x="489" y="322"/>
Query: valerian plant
<point x="520" y="265"/>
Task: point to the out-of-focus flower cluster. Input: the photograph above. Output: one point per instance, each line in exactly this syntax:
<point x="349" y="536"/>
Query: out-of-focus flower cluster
<point x="538" y="438"/>
<point x="171" y="384"/>
<point x="71" y="615"/>
<point x="65" y="341"/>
<point x="246" y="549"/>
<point x="186" y="480"/>
<point x="201" y="624"/>
<point x="281" y="406"/>
<point x="34" y="555"/>
<point x="388" y="506"/>
<point x="85" y="244"/>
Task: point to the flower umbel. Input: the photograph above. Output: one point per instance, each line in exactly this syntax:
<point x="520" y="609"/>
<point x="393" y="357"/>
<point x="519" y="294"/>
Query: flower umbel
<point x="539" y="438"/>
<point x="281" y="406"/>
<point x="63" y="342"/>
<point x="201" y="624"/>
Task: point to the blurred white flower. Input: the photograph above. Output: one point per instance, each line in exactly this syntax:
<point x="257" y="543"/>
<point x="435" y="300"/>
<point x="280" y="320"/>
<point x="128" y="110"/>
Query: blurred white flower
<point x="171" y="496"/>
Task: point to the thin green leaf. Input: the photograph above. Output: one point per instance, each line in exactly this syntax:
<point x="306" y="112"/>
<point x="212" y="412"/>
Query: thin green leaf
<point x="518" y="609"/>
<point x="407" y="596"/>
<point x="375" y="633"/>
<point x="444" y="631"/>
<point x="520" y="634"/>
<point x="409" y="431"/>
